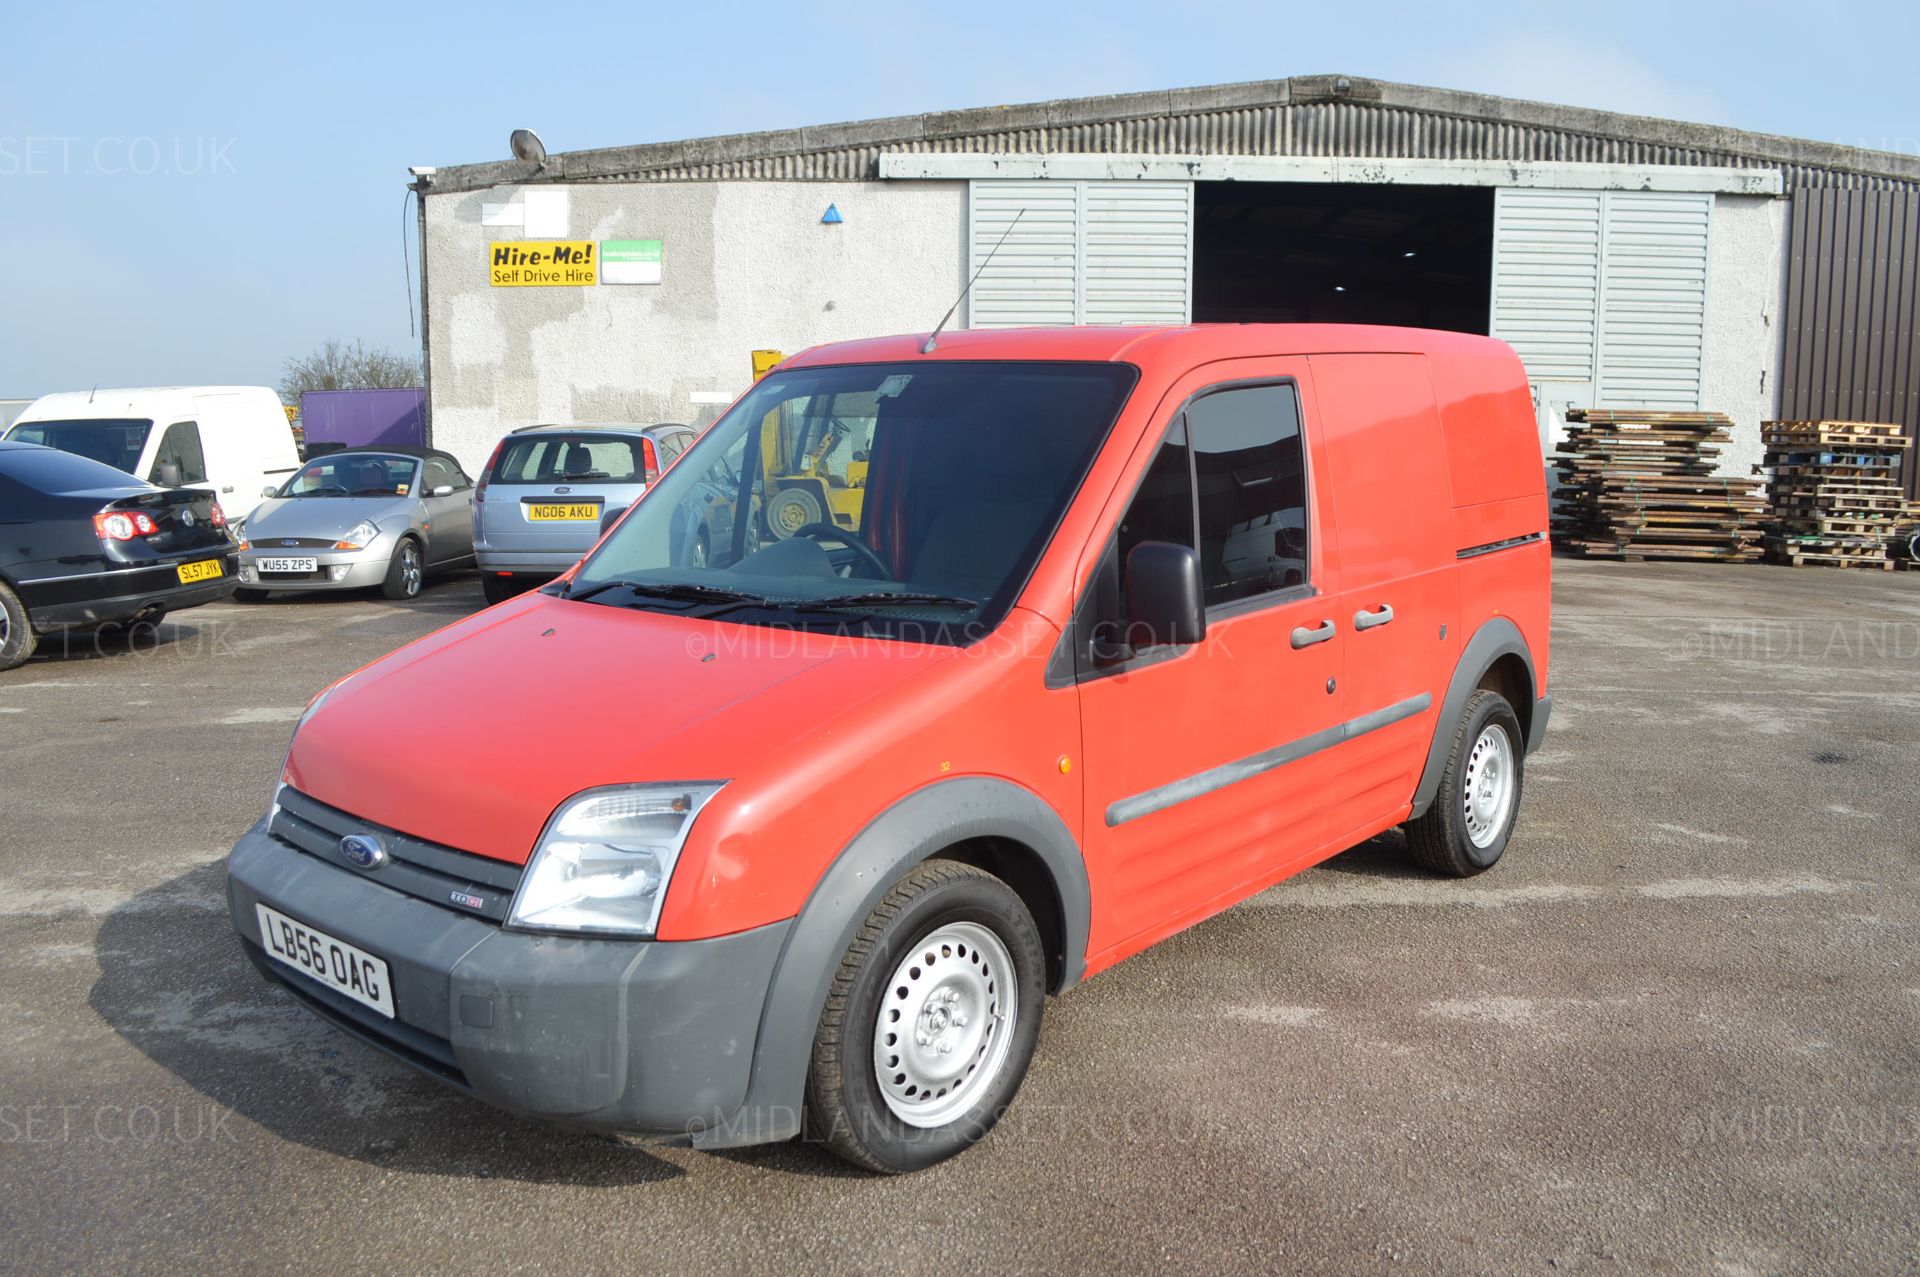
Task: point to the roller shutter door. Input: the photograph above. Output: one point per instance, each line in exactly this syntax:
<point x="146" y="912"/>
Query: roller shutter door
<point x="1083" y="252"/>
<point x="1605" y="291"/>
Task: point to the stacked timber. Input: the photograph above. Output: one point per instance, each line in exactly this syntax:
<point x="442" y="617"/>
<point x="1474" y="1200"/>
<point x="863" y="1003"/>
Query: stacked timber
<point x="1837" y="493"/>
<point x="1641" y="485"/>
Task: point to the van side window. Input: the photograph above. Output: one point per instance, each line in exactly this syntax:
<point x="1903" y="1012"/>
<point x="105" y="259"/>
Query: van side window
<point x="1250" y="470"/>
<point x="181" y="445"/>
<point x="1162" y="509"/>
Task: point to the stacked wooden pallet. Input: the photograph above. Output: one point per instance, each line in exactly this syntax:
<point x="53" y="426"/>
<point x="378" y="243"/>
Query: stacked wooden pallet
<point x="1640" y="485"/>
<point x="1836" y="491"/>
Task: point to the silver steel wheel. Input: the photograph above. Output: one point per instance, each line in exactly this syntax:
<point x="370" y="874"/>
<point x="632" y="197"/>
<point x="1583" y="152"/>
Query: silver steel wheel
<point x="6" y="627"/>
<point x="698" y="559"/>
<point x="410" y="568"/>
<point x="946" y="1023"/>
<point x="1487" y="789"/>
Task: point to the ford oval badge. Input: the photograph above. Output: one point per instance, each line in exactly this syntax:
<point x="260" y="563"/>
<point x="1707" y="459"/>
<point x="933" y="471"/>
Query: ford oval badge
<point x="363" y="851"/>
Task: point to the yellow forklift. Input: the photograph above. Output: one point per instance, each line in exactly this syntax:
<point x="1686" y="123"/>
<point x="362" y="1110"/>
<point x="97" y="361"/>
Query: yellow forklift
<point x="815" y="459"/>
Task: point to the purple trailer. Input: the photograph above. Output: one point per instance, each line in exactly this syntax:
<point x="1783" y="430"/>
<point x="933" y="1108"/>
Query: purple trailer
<point x="335" y="419"/>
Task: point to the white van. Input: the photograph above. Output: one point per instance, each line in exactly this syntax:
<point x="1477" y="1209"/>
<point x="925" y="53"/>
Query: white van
<point x="231" y="440"/>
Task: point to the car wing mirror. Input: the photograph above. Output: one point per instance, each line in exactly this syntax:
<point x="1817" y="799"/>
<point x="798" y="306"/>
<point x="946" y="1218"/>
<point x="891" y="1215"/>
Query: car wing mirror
<point x="444" y="490"/>
<point x="609" y="518"/>
<point x="167" y="474"/>
<point x="1166" y="603"/>
<point x="269" y="491"/>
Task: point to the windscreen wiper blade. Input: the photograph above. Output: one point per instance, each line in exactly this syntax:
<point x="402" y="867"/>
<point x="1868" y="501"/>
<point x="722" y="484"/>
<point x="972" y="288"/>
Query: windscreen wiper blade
<point x="883" y="597"/>
<point x="678" y="590"/>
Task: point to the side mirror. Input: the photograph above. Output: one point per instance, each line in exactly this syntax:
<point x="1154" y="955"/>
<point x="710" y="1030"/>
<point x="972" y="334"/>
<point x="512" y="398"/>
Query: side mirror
<point x="1166" y="603"/>
<point x="166" y="474"/>
<point x="269" y="491"/>
<point x="444" y="490"/>
<point x="610" y="517"/>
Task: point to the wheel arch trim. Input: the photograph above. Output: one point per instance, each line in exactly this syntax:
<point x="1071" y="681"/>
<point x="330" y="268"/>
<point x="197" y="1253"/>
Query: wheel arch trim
<point x="915" y="829"/>
<point x="1496" y="638"/>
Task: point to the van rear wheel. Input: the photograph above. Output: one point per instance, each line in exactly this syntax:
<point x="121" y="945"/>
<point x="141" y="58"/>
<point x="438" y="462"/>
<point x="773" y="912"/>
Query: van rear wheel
<point x="930" y="1022"/>
<point x="1466" y="829"/>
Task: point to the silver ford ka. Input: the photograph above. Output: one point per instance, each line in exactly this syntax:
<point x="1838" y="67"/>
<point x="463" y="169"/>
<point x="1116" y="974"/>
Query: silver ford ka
<point x="359" y="518"/>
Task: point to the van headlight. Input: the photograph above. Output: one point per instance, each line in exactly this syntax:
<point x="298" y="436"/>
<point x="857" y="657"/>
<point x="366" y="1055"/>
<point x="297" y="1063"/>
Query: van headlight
<point x="603" y="862"/>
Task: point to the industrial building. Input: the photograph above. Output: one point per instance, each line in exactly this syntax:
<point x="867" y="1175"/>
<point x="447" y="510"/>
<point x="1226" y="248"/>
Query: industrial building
<point x="1632" y="262"/>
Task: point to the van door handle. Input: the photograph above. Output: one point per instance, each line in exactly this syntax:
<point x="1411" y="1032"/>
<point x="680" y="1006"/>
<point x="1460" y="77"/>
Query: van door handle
<point x="1304" y="637"/>
<point x="1364" y="620"/>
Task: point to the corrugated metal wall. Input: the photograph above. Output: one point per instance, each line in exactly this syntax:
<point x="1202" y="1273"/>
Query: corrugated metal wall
<point x="1852" y="322"/>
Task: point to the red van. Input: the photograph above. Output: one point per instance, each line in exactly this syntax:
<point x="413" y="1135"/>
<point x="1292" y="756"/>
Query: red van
<point x="757" y="829"/>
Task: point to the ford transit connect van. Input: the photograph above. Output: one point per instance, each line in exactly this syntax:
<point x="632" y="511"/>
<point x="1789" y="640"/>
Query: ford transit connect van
<point x="231" y="441"/>
<point x="791" y="834"/>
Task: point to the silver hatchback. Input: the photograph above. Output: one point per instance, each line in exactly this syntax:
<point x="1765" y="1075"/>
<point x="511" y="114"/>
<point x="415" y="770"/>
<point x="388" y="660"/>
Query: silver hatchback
<point x="545" y="491"/>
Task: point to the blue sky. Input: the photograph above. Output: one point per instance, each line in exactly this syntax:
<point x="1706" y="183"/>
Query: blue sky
<point x="194" y="192"/>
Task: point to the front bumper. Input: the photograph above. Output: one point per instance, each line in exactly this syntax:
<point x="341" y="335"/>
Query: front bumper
<point x="650" y="1037"/>
<point x="358" y="569"/>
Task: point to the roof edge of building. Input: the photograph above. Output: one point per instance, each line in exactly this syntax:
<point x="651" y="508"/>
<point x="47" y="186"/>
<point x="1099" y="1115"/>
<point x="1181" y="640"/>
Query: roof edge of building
<point x="905" y="131"/>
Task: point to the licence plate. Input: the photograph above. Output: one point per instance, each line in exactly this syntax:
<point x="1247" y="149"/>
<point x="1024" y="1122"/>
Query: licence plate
<point x="563" y="513"/>
<point x="204" y="571"/>
<point x="286" y="565"/>
<point x="334" y="963"/>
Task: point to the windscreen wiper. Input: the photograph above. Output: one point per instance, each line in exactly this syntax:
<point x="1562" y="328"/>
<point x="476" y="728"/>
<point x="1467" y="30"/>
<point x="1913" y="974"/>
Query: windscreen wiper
<point x="882" y="597"/>
<point x="677" y="590"/>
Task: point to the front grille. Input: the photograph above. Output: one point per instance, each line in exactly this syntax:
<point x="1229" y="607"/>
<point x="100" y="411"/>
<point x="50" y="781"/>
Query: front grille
<point x="279" y="545"/>
<point x="456" y="880"/>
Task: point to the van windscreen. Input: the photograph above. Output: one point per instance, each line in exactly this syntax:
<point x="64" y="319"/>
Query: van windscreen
<point x="901" y="500"/>
<point x="113" y="441"/>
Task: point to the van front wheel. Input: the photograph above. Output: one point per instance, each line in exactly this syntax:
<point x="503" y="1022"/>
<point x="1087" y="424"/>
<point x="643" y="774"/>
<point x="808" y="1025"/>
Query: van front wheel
<point x="1467" y="827"/>
<point x="930" y="1022"/>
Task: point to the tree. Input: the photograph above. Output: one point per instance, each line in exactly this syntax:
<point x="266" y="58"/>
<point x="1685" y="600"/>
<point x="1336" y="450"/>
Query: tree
<point x="339" y="366"/>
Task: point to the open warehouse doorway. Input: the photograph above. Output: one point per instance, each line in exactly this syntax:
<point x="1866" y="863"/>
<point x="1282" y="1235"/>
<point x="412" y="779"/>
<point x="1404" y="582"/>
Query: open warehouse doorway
<point x="1325" y="252"/>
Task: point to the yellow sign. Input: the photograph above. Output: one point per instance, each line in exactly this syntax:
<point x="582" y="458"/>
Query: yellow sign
<point x="764" y="362"/>
<point x="543" y="263"/>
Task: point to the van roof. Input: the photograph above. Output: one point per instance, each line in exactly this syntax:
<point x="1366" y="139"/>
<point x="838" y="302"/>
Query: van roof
<point x="127" y="401"/>
<point x="1190" y="343"/>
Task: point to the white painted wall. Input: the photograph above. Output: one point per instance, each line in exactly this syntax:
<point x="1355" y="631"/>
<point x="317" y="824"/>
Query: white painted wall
<point x="1746" y="294"/>
<point x="747" y="266"/>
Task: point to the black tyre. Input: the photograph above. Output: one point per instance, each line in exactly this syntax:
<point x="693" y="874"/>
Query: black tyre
<point x="406" y="571"/>
<point x="17" y="639"/>
<point x="1467" y="827"/>
<point x="930" y="1022"/>
<point x="247" y="595"/>
<point x="498" y="589"/>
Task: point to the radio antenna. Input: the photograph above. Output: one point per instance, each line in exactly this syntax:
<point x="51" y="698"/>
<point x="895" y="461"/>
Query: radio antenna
<point x="933" y="338"/>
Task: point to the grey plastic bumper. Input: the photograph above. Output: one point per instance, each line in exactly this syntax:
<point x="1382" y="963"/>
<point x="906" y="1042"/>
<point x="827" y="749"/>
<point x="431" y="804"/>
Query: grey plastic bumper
<point x="643" y="1036"/>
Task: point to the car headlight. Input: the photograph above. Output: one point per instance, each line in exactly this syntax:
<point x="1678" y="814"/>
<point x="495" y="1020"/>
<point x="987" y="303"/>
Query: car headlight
<point x="362" y="535"/>
<point x="603" y="862"/>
